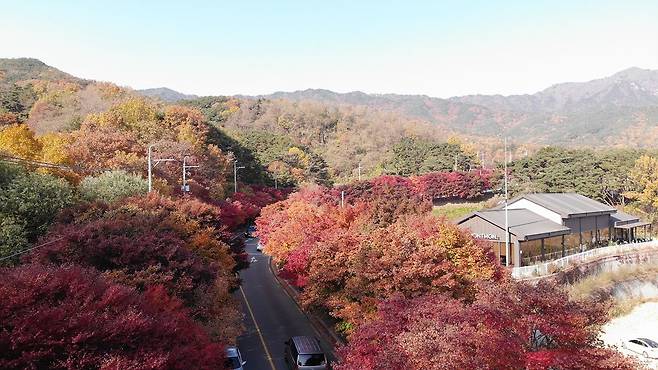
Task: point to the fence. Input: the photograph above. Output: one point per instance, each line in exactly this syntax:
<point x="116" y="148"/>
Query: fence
<point x="551" y="267"/>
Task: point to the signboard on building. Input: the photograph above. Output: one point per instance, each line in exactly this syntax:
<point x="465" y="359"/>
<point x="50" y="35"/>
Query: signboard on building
<point x="486" y="236"/>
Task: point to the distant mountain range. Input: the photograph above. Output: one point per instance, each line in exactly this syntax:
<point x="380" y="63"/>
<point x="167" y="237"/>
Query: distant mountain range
<point x="633" y="87"/>
<point x="166" y="94"/>
<point x="619" y="110"/>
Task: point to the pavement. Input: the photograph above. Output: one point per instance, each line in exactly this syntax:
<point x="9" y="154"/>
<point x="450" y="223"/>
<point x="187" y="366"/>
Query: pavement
<point x="271" y="316"/>
<point x="642" y="321"/>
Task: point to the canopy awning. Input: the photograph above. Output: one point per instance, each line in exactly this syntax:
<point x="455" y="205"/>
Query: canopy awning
<point x="632" y="225"/>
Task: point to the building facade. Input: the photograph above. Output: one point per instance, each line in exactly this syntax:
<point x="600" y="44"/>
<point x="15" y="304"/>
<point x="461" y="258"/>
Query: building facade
<point x="546" y="226"/>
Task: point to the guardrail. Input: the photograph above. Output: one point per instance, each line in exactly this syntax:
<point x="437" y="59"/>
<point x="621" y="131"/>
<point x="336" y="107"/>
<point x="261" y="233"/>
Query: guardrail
<point x="550" y="267"/>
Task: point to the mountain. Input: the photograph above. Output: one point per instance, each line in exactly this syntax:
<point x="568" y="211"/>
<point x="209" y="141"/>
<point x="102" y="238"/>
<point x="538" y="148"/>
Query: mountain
<point x="165" y="94"/>
<point x="633" y="87"/>
<point x="619" y="110"/>
<point x="50" y="100"/>
<point x="13" y="70"/>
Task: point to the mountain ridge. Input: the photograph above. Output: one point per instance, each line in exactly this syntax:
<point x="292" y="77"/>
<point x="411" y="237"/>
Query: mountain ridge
<point x="621" y="109"/>
<point x="166" y="94"/>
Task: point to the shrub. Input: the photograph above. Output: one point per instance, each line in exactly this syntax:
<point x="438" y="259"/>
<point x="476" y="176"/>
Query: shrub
<point x="29" y="203"/>
<point x="112" y="186"/>
<point x="508" y="325"/>
<point x="71" y="317"/>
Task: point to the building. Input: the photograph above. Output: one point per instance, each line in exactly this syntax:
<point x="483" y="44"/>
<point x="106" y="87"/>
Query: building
<point x="546" y="226"/>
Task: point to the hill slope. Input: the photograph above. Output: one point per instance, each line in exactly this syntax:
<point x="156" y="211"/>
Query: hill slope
<point x="14" y="70"/>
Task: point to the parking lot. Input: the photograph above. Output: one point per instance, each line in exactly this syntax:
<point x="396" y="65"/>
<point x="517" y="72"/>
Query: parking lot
<point x="641" y="322"/>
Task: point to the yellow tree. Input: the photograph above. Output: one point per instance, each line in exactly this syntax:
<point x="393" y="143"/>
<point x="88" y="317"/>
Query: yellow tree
<point x="644" y="177"/>
<point x="19" y="140"/>
<point x="54" y="148"/>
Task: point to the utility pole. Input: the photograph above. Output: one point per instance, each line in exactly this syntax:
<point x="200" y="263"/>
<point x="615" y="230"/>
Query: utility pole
<point x="342" y="199"/>
<point x="359" y="171"/>
<point x="507" y="247"/>
<point x="276" y="184"/>
<point x="152" y="163"/>
<point x="235" y="175"/>
<point x="186" y="188"/>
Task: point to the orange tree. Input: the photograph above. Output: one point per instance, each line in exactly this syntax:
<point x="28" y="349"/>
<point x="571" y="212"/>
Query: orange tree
<point x="350" y="272"/>
<point x="382" y="242"/>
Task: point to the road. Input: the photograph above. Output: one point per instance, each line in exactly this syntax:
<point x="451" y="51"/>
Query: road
<point x="270" y="315"/>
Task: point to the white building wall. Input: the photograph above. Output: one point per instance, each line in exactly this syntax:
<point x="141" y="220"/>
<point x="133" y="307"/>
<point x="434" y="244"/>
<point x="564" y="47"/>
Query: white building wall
<point x="536" y="208"/>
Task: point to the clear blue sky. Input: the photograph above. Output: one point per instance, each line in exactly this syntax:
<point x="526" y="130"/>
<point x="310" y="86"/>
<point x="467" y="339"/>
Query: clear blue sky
<point x="438" y="48"/>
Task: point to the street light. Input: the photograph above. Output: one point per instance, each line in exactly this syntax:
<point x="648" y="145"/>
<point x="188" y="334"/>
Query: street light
<point x="235" y="175"/>
<point x="151" y="164"/>
<point x="185" y="188"/>
<point x="507" y="246"/>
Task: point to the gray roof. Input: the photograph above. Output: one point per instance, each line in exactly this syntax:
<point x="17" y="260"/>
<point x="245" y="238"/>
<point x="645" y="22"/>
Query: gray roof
<point x="621" y="218"/>
<point x="231" y="351"/>
<point x="525" y="224"/>
<point x="568" y="204"/>
<point x="307" y="345"/>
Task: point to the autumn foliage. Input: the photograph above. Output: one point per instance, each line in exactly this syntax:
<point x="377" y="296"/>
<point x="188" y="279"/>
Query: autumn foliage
<point x="155" y="241"/>
<point x="382" y="242"/>
<point x="508" y="325"/>
<point x="72" y="317"/>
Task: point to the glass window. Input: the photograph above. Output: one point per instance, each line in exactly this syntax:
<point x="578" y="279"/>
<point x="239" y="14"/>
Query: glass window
<point x="650" y="343"/>
<point x="311" y="360"/>
<point x="233" y="363"/>
<point x="293" y="349"/>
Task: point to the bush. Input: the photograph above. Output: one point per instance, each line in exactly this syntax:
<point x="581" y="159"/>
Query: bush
<point x="13" y="238"/>
<point x="148" y="241"/>
<point x="29" y="203"/>
<point x="112" y="186"/>
<point x="70" y="317"/>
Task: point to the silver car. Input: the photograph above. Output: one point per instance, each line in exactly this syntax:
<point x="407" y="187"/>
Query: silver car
<point x="644" y="346"/>
<point x="305" y="353"/>
<point x="234" y="358"/>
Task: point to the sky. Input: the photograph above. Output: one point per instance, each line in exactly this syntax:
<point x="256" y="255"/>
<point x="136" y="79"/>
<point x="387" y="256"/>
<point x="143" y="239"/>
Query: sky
<point x="437" y="48"/>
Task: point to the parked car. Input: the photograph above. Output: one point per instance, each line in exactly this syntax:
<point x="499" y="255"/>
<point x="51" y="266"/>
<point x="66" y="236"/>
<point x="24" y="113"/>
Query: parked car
<point x="249" y="233"/>
<point x="234" y="358"/>
<point x="644" y="346"/>
<point x="259" y="247"/>
<point x="305" y="353"/>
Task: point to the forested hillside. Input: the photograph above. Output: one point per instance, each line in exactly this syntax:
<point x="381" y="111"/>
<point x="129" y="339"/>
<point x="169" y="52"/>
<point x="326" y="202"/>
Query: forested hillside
<point x="96" y="271"/>
<point x="619" y="110"/>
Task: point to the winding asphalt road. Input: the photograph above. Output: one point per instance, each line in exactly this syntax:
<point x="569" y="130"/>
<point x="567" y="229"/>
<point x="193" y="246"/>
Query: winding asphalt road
<point x="271" y="316"/>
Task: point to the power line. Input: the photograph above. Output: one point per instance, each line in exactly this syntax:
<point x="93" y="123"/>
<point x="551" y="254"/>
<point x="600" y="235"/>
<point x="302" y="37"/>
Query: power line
<point x="23" y="161"/>
<point x="31" y="248"/>
<point x="17" y="160"/>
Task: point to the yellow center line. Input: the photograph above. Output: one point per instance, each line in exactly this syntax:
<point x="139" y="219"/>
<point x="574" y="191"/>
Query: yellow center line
<point x="260" y="334"/>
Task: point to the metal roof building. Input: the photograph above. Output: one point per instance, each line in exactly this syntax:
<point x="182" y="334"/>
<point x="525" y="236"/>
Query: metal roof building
<point x="549" y="225"/>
